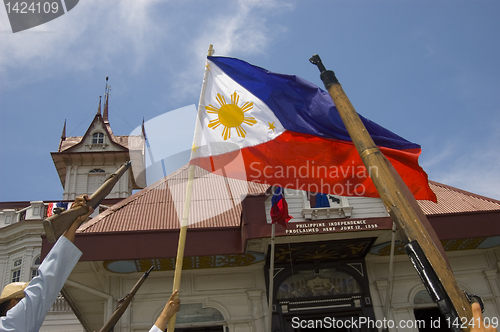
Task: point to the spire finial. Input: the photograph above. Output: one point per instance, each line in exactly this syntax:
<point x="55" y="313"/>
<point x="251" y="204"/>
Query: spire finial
<point x="99" y="108"/>
<point x="63" y="136"/>
<point x="106" y="102"/>
<point x="143" y="129"/>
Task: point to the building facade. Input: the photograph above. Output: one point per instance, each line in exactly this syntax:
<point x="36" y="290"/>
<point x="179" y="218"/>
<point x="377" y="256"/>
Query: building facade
<point x="83" y="164"/>
<point x="332" y="265"/>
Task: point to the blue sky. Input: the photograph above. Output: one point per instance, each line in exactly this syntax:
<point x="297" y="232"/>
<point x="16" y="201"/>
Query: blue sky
<point x="427" y="70"/>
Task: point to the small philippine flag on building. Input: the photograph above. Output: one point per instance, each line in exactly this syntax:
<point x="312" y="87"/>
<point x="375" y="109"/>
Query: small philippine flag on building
<point x="53" y="208"/>
<point x="279" y="208"/>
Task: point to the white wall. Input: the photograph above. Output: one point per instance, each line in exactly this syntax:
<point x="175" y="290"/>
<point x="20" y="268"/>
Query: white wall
<point x="22" y="240"/>
<point x="476" y="272"/>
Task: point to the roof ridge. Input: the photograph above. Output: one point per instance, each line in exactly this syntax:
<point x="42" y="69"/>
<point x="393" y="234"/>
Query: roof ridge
<point x="465" y="192"/>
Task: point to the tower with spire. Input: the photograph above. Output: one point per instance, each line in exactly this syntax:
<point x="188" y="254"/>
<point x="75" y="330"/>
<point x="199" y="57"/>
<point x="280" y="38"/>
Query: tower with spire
<point x="84" y="162"/>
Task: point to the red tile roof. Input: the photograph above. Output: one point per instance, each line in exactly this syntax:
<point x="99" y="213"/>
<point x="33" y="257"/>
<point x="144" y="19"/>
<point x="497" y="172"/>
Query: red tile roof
<point x="453" y="200"/>
<point x="160" y="205"/>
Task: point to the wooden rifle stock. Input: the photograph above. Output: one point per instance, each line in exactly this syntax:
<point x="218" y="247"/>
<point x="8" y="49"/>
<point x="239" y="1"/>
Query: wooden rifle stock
<point x="123" y="304"/>
<point x="400" y="203"/>
<point x="57" y="224"/>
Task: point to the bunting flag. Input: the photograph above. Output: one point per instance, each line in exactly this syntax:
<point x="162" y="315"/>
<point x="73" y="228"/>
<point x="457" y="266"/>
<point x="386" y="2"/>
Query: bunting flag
<point x="281" y="130"/>
<point x="321" y="200"/>
<point x="279" y="208"/>
<point x="50" y="209"/>
<point x="59" y="206"/>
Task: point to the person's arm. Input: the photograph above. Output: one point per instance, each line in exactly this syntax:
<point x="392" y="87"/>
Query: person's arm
<point x="172" y="306"/>
<point x="29" y="314"/>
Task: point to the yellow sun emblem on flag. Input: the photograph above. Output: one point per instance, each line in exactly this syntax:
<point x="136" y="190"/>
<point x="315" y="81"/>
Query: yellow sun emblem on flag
<point x="231" y="115"/>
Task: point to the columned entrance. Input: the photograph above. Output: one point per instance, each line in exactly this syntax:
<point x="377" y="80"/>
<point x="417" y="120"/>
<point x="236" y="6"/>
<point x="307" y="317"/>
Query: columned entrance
<point x="322" y="286"/>
<point x="202" y="329"/>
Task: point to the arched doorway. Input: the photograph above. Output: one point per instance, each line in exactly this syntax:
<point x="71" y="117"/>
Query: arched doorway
<point x="428" y="314"/>
<point x="193" y="317"/>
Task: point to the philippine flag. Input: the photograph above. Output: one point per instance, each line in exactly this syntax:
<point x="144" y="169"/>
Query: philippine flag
<point x="279" y="208"/>
<point x="281" y="130"/>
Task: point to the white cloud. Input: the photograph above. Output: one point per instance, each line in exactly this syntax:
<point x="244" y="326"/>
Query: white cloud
<point x="475" y="168"/>
<point x="92" y="34"/>
<point x="244" y="29"/>
<point x="133" y="34"/>
<point x="247" y="30"/>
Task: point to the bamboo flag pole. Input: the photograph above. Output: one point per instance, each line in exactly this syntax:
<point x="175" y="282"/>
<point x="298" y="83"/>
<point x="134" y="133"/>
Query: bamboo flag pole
<point x="388" y="293"/>
<point x="187" y="204"/>
<point x="271" y="278"/>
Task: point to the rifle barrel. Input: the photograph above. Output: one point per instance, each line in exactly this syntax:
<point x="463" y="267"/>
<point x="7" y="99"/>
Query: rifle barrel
<point x="115" y="317"/>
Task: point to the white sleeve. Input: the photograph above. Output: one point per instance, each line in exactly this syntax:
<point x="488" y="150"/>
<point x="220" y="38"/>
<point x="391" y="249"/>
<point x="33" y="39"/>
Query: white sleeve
<point x="155" y="329"/>
<point x="29" y="314"/>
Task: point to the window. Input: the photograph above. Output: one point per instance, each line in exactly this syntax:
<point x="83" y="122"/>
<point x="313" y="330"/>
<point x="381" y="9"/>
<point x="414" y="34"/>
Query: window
<point x="18" y="262"/>
<point x="200" y="319"/>
<point x="34" y="268"/>
<point x="16" y="269"/>
<point x="317" y="283"/>
<point x="423" y="297"/>
<point x="428" y="314"/>
<point x="16" y="275"/>
<point x="98" y="138"/>
<point x="95" y="179"/>
<point x="431" y="320"/>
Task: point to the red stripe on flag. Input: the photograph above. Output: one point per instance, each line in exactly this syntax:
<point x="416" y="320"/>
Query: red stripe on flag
<point x="315" y="164"/>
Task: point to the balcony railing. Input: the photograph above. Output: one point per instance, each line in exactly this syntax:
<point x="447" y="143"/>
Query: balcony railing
<point x="60" y="305"/>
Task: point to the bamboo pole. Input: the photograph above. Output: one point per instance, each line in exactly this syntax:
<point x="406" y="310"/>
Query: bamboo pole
<point x="271" y="277"/>
<point x="388" y="293"/>
<point x="185" y="213"/>
<point x="398" y="199"/>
